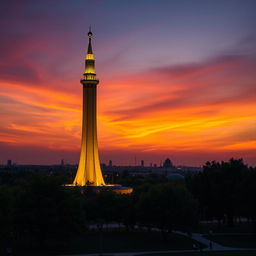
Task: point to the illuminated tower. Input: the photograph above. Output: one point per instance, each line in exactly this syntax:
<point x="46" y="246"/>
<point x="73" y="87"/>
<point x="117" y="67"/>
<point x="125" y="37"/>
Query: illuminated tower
<point x="89" y="171"/>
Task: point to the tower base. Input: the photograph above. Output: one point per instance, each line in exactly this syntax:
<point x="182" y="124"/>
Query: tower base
<point x="110" y="188"/>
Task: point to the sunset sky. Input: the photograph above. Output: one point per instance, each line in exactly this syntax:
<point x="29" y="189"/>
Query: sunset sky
<point x="177" y="80"/>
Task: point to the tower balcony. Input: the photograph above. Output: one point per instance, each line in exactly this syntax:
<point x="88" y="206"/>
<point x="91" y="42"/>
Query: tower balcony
<point x="89" y="79"/>
<point x="90" y="76"/>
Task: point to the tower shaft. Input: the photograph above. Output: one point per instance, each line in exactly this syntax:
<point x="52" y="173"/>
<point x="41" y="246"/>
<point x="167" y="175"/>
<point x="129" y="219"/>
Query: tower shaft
<point x="89" y="170"/>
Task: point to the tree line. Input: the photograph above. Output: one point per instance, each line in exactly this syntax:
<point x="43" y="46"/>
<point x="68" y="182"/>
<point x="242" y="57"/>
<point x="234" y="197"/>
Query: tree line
<point x="226" y="191"/>
<point x="35" y="206"/>
<point x="39" y="207"/>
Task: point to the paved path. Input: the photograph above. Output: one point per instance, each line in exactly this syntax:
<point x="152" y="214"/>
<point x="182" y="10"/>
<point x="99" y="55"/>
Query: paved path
<point x="199" y="238"/>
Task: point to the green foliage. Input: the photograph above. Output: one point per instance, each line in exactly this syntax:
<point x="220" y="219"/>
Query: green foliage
<point x="101" y="207"/>
<point x="6" y="215"/>
<point x="166" y="206"/>
<point x="225" y="190"/>
<point x="44" y="207"/>
<point x="37" y="208"/>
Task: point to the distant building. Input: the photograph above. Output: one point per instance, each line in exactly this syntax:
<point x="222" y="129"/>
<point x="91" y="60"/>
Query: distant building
<point x="9" y="162"/>
<point x="167" y="163"/>
<point x="110" y="163"/>
<point x="62" y="162"/>
<point x="142" y="163"/>
<point x="176" y="177"/>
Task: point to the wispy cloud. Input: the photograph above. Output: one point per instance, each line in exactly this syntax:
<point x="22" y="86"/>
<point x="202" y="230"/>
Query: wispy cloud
<point x="165" y="87"/>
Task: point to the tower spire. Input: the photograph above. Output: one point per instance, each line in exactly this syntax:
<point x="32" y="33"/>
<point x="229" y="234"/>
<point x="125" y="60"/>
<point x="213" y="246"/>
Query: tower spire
<point x="89" y="74"/>
<point x="89" y="51"/>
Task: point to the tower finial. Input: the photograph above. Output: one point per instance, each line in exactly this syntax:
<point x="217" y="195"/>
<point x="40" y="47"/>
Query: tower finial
<point x="90" y="43"/>
<point x="90" y="32"/>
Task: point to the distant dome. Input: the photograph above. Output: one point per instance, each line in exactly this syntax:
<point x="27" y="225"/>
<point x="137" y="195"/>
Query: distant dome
<point x="167" y="163"/>
<point x="175" y="176"/>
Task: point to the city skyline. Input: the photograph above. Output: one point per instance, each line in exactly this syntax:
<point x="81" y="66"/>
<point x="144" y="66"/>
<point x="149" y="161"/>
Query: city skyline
<point x="177" y="80"/>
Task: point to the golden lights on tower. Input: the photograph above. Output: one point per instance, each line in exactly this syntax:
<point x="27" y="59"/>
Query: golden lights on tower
<point x="89" y="171"/>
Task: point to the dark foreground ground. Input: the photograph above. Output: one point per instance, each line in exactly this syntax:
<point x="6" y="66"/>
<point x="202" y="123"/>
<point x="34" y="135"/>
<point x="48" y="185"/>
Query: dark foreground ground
<point x="118" y="240"/>
<point x="109" y="242"/>
<point x="220" y="253"/>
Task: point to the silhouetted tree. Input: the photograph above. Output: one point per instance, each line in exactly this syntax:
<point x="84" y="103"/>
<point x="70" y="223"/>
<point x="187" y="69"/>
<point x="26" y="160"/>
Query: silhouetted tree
<point x="167" y="206"/>
<point x="225" y="190"/>
<point x="43" y="207"/>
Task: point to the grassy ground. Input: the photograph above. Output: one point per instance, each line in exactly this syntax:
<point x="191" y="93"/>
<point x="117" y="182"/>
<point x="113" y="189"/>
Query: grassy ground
<point x="116" y="241"/>
<point x="220" y="253"/>
<point x="239" y="241"/>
